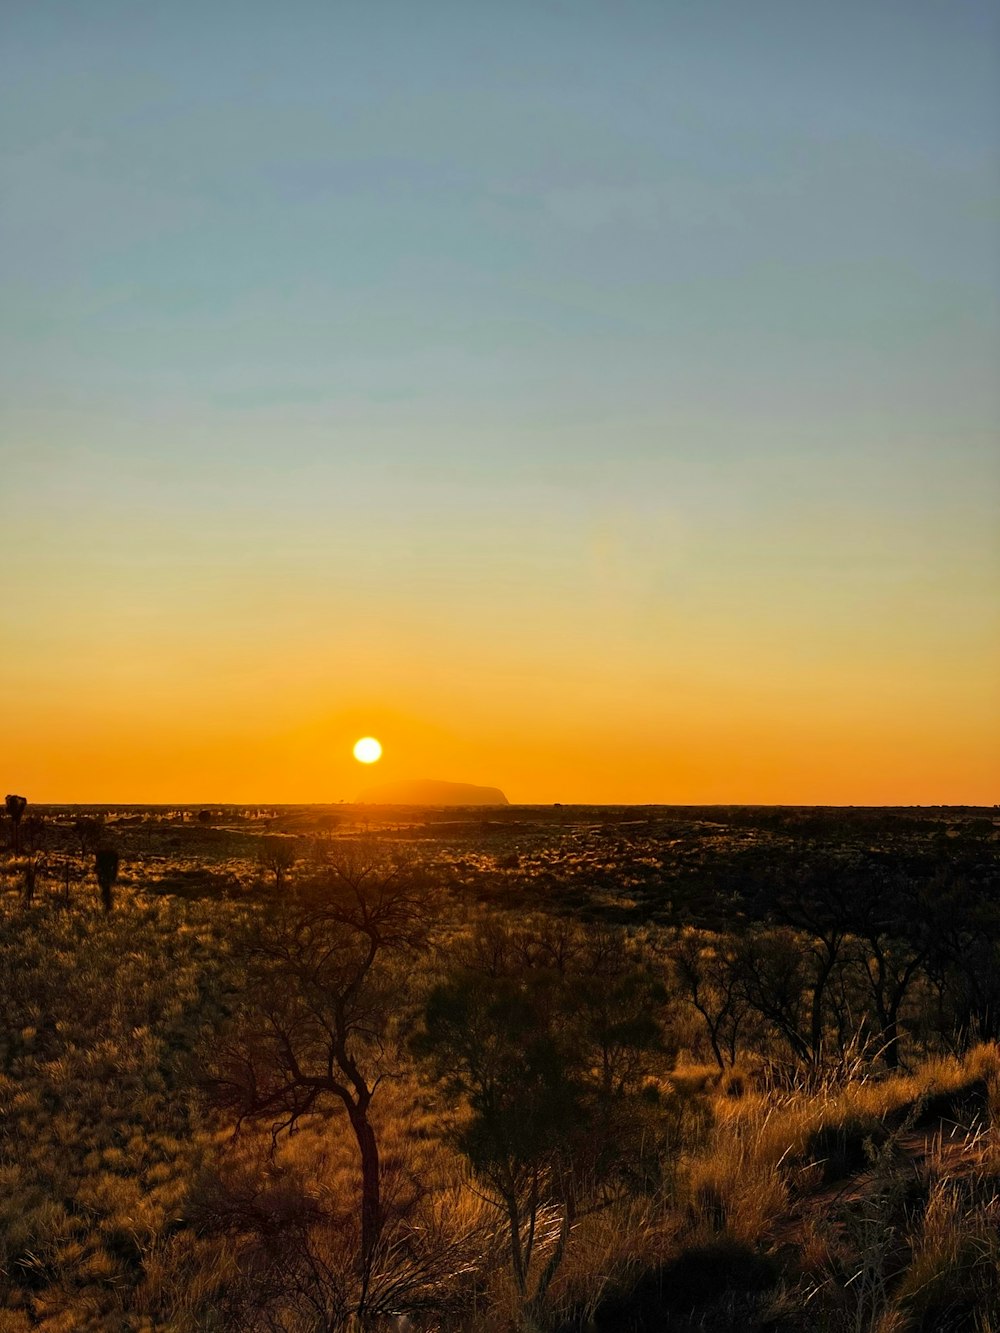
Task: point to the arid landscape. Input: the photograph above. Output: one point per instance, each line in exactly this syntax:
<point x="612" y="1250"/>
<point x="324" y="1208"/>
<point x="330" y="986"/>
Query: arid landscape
<point x="569" y="1068"/>
<point x="500" y="663"/>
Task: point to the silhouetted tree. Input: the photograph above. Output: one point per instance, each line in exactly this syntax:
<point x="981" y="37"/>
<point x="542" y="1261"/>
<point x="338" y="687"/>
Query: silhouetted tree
<point x="616" y="1002"/>
<point x="547" y="1047"/>
<point x="707" y="970"/>
<point x="89" y="831"/>
<point x="34" y="831"/>
<point x="963" y="927"/>
<point x="773" y="971"/>
<point x="494" y="1042"/>
<point x="277" y="854"/>
<point x="68" y="871"/>
<point x="819" y="902"/>
<point x="324" y="989"/>
<point x="32" y="869"/>
<point x="15" y="808"/>
<point x="893" y="944"/>
<point x="106" y="870"/>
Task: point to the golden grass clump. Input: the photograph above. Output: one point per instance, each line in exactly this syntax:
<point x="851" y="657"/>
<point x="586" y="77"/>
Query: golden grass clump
<point x="612" y="1247"/>
<point x="767" y="1145"/>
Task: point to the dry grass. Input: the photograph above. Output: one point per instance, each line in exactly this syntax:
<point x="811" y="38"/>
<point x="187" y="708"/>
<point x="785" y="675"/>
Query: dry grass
<point x="100" y="1141"/>
<point x="770" y="1145"/>
<point x="611" y="1250"/>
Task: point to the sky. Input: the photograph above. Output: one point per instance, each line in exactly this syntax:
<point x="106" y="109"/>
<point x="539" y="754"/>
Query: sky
<point x="598" y="401"/>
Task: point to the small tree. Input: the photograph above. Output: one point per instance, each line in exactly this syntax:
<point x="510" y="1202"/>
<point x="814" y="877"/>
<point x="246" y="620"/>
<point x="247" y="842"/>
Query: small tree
<point x="495" y="1044"/>
<point x="277" y="854"/>
<point x="895" y="939"/>
<point x="32" y="869"/>
<point x="772" y="970"/>
<point x="15" y="808"/>
<point x="89" y="831"/>
<point x="106" y="869"/>
<point x="547" y="1057"/>
<point x="707" y="971"/>
<point x="34" y="834"/>
<point x="68" y="870"/>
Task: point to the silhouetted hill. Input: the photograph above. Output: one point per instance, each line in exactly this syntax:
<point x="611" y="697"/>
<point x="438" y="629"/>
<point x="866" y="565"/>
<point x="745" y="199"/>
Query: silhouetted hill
<point x="424" y="791"/>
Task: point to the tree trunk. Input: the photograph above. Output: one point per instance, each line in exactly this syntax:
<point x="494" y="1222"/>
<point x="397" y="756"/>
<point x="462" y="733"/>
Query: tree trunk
<point x="536" y="1308"/>
<point x="713" y="1037"/>
<point x="818" y="995"/>
<point x="516" y="1252"/>
<point x="371" y="1196"/>
<point x="890" y="1045"/>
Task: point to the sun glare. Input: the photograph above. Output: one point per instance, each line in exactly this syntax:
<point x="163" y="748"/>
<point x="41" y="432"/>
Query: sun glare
<point x="367" y="750"/>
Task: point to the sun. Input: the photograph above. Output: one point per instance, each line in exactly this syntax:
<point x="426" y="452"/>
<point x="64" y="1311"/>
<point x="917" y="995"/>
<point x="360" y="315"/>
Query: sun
<point x="367" y="750"/>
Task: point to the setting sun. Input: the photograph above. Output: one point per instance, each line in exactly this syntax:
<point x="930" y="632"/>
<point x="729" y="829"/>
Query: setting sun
<point x="367" y="750"/>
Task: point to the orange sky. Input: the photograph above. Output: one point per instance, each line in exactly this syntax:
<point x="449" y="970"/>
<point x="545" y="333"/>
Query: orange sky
<point x="136" y="692"/>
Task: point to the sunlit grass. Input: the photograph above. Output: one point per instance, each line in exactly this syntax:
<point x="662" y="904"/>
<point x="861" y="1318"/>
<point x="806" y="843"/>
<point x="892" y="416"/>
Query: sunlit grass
<point x="114" y="1180"/>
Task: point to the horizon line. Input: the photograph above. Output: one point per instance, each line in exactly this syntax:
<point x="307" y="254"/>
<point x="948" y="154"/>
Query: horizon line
<point x="543" y="805"/>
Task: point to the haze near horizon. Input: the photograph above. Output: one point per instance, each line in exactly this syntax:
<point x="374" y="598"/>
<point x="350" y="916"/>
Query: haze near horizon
<point x="596" y="403"/>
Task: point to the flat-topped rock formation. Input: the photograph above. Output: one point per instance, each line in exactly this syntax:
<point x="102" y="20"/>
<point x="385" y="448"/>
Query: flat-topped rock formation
<point x="425" y="791"/>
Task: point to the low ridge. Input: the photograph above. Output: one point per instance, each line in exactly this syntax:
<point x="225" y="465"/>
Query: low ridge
<point x="426" y="791"/>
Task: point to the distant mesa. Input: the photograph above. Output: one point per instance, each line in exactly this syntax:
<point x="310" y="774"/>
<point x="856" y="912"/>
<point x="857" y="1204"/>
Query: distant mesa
<point x="424" y="791"/>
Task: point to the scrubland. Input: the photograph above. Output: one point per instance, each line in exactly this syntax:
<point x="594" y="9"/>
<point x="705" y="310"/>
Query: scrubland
<point x="561" y="1069"/>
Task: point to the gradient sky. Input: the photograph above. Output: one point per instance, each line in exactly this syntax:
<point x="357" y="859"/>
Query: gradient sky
<point x="595" y="400"/>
